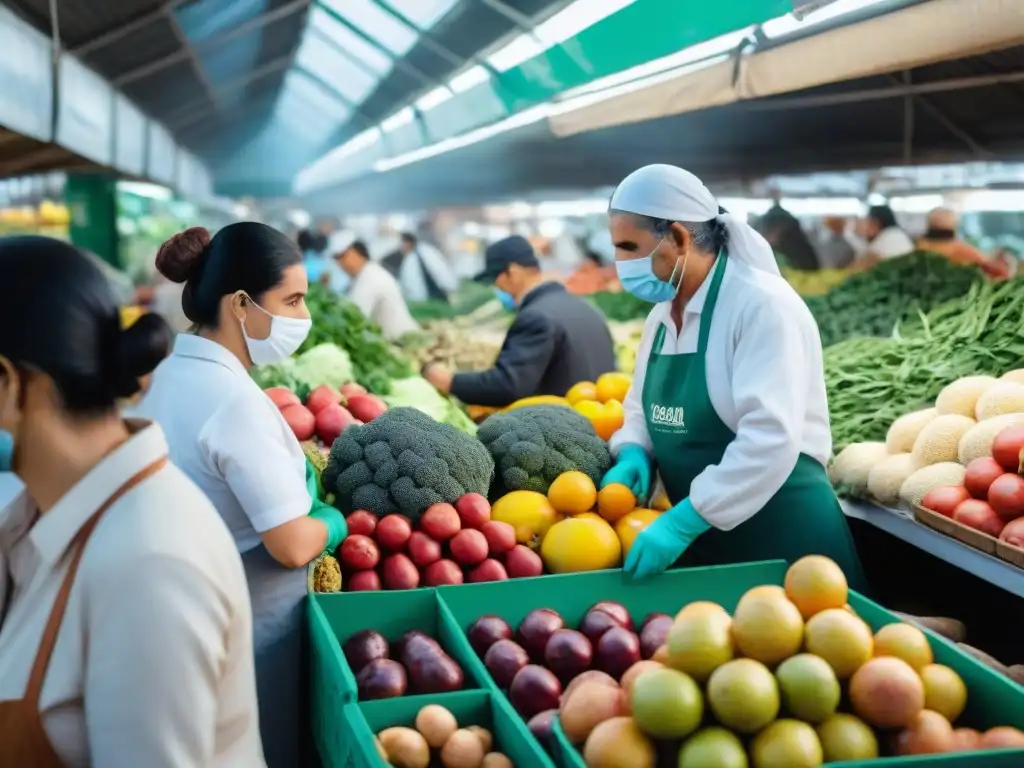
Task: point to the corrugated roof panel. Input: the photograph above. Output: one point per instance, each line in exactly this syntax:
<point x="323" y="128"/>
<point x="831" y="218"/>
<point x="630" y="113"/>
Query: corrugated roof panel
<point x="376" y="23"/>
<point x="423" y="13"/>
<point x="347" y="40"/>
<point x="305" y="102"/>
<point x="206" y="18"/>
<point x="318" y="56"/>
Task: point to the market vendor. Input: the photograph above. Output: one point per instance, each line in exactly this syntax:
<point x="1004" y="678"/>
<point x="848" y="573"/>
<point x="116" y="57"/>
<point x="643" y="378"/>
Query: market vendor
<point x="728" y="396"/>
<point x="245" y="291"/>
<point x="126" y="634"/>
<point x="941" y="237"/>
<point x="555" y="340"/>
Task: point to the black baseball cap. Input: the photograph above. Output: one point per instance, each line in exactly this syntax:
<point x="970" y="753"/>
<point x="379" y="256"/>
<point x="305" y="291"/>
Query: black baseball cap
<point x="501" y="255"/>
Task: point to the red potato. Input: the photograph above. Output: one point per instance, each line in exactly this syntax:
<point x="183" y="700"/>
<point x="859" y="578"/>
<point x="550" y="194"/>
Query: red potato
<point x="468" y="547"/>
<point x="301" y="421"/>
<point x="1013" y="533"/>
<point x="1007" y="447"/>
<point x="331" y="421"/>
<point x="1006" y="496"/>
<point x="321" y="397"/>
<point x="945" y="499"/>
<point x="400" y="573"/>
<point x="361" y="522"/>
<point x="363" y="581"/>
<point x="366" y="407"/>
<point x="980" y="475"/>
<point x="523" y="562"/>
<point x="359" y="553"/>
<point x="979" y="515"/>
<point x="440" y="522"/>
<point x="441" y="573"/>
<point x="474" y="510"/>
<point x="423" y="550"/>
<point x="282" y="397"/>
<point x="351" y="389"/>
<point x="393" y="532"/>
<point x="501" y="537"/>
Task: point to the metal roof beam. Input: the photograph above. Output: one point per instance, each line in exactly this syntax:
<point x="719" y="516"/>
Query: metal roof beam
<point x="124" y="30"/>
<point x="193" y="58"/>
<point x="198" y="109"/>
<point x="333" y="92"/>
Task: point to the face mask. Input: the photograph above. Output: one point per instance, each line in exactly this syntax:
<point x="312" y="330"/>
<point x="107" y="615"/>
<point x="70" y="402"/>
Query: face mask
<point x="286" y="336"/>
<point x="506" y="299"/>
<point x="6" y="451"/>
<point x="637" y="276"/>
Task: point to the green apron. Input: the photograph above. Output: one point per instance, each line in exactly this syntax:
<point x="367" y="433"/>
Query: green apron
<point x="802" y="518"/>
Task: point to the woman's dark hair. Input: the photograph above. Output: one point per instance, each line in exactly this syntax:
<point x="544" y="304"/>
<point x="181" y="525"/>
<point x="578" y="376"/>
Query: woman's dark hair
<point x="247" y="256"/>
<point x="58" y="315"/>
<point x="708" y="236"/>
<point x="883" y="215"/>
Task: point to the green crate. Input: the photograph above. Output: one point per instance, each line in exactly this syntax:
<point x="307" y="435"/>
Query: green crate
<point x="329" y="688"/>
<point x="469" y="707"/>
<point x="994" y="699"/>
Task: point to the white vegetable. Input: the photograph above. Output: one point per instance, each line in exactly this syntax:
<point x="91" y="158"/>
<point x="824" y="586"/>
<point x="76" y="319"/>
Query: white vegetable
<point x="977" y="441"/>
<point x="962" y="395"/>
<point x="904" y="431"/>
<point x="851" y="467"/>
<point x="939" y="439"/>
<point x="887" y="477"/>
<point x="923" y="480"/>
<point x="1002" y="398"/>
<point x="1017" y="376"/>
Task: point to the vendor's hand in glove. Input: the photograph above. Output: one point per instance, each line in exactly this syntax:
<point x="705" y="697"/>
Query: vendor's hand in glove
<point x="337" y="528"/>
<point x="632" y="469"/>
<point x="662" y="542"/>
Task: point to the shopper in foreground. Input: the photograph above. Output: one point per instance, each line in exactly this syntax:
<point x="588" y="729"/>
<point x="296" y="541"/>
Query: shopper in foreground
<point x="728" y="397"/>
<point x="555" y="341"/>
<point x="245" y="291"/>
<point x="126" y="635"/>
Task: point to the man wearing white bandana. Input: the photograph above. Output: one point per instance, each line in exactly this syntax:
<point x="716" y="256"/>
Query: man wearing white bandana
<point x="728" y="398"/>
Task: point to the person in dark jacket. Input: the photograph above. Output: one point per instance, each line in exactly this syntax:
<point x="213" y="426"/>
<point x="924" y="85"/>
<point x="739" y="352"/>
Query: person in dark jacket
<point x="555" y="341"/>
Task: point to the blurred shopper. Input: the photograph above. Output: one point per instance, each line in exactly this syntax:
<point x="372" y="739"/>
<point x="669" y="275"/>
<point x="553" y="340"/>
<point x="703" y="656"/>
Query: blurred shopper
<point x="884" y="237"/>
<point x="373" y="289"/>
<point x="245" y="292"/>
<point x="555" y="341"/>
<point x="127" y="630"/>
<point x="836" y="251"/>
<point x="312" y="245"/>
<point x="422" y="270"/>
<point x="787" y="238"/>
<point x="941" y="237"/>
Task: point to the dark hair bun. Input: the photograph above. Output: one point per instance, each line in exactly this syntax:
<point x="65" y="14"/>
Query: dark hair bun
<point x="139" y="349"/>
<point x="180" y="257"/>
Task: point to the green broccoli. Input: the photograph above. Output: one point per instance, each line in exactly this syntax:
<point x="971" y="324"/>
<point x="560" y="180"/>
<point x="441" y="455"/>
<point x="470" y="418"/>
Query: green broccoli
<point x="533" y="445"/>
<point x="404" y="461"/>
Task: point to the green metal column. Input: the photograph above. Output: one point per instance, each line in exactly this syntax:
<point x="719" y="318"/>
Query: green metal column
<point x="91" y="199"/>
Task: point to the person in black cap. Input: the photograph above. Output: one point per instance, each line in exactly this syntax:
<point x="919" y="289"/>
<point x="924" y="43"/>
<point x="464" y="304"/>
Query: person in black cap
<point x="555" y="341"/>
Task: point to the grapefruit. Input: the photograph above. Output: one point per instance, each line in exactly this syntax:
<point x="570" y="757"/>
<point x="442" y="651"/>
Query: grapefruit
<point x="767" y="626"/>
<point x="928" y="733"/>
<point x="815" y="583"/>
<point x="699" y="643"/>
<point x="581" y="543"/>
<point x="712" y="747"/>
<point x="809" y="687"/>
<point x="666" y="704"/>
<point x="618" y="743"/>
<point x="841" y="639"/>
<point x="787" y="744"/>
<point x="965" y="740"/>
<point x="886" y="692"/>
<point x="904" y="641"/>
<point x="845" y="737"/>
<point x="944" y="691"/>
<point x="743" y="695"/>
<point x="699" y="606"/>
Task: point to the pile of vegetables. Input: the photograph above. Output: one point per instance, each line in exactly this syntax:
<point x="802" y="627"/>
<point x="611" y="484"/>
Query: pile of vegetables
<point x="878" y="301"/>
<point x="322" y="364"/>
<point x="417" y="392"/>
<point x="456" y="347"/>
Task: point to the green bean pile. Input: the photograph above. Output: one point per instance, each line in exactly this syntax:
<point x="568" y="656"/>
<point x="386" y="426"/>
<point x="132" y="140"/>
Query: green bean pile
<point x="873" y="381"/>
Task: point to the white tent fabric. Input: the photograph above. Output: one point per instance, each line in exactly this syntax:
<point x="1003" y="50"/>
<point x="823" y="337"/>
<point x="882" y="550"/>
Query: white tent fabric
<point x="888" y="43"/>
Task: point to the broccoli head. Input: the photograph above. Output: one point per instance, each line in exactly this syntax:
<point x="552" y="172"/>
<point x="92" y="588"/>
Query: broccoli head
<point x="404" y="461"/>
<point x="533" y="445"/>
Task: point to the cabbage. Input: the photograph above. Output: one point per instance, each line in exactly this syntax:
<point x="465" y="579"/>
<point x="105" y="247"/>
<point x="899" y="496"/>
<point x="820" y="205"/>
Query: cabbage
<point x="324" y="364"/>
<point x="417" y="392"/>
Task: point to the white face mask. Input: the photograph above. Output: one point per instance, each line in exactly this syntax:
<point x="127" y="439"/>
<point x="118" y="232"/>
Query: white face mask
<point x="285" y="337"/>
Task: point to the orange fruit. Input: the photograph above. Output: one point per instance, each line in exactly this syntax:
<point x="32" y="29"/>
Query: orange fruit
<point x="605" y="418"/>
<point x="613" y="386"/>
<point x="699" y="607"/>
<point x="815" y="583"/>
<point x="615" y="501"/>
<point x="767" y="626"/>
<point x="904" y="641"/>
<point x="629" y="525"/>
<point x="584" y="390"/>
<point x="580" y="544"/>
<point x="841" y="639"/>
<point x="572" y="493"/>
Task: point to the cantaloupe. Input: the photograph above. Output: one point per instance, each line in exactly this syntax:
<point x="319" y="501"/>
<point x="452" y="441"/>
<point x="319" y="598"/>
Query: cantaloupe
<point x="1017" y="376"/>
<point x="923" y="480"/>
<point x="887" y="477"/>
<point x="940" y="438"/>
<point x="904" y="431"/>
<point x="999" y="399"/>
<point x="977" y="441"/>
<point x="851" y="467"/>
<point x="962" y="395"/>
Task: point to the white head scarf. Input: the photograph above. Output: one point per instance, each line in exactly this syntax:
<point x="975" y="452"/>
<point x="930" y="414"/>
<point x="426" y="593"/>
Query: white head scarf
<point x="667" y="192"/>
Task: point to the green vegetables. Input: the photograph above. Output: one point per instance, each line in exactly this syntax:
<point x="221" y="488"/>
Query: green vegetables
<point x="619" y="306"/>
<point x="323" y="364"/>
<point x="417" y="392"/>
<point x="873" y="381"/>
<point x="875" y="302"/>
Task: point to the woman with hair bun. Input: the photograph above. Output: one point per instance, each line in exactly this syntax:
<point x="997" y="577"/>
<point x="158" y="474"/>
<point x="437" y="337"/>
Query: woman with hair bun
<point x="125" y="625"/>
<point x="245" y="292"/>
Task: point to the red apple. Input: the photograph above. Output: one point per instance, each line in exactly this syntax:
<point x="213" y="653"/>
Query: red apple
<point x="351" y="389"/>
<point x="523" y="562"/>
<point x="979" y="515"/>
<point x="301" y="421"/>
<point x="361" y="522"/>
<point x="321" y="397"/>
<point x="441" y="573"/>
<point x="468" y="547"/>
<point x="473" y="510"/>
<point x="359" y="553"/>
<point x="980" y="474"/>
<point x="363" y="581"/>
<point x="393" y="532"/>
<point x="331" y="421"/>
<point x="423" y="550"/>
<point x="488" y="570"/>
<point x="400" y="573"/>
<point x="1007" y="447"/>
<point x="366" y="408"/>
<point x="944" y="499"/>
<point x="440" y="522"/>
<point x="501" y="537"/>
<point x="282" y="397"/>
<point x="1006" y="496"/>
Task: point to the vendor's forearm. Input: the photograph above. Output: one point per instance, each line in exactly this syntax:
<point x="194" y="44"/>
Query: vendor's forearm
<point x="491" y="388"/>
<point x="298" y="542"/>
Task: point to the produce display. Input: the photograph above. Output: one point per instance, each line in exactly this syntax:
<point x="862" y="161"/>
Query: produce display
<point x="437" y="735"/>
<point x="459" y="348"/>
<point x="415" y="664"/>
<point x="815" y="282"/>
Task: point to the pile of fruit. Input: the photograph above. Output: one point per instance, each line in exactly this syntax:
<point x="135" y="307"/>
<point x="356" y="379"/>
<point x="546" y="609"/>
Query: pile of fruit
<point x="437" y="730"/>
<point x="327" y="411"/>
<point x="792" y="679"/>
<point x="420" y="665"/>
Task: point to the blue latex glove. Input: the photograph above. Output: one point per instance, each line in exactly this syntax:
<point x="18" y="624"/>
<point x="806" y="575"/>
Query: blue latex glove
<point x="632" y="469"/>
<point x="662" y="542"/>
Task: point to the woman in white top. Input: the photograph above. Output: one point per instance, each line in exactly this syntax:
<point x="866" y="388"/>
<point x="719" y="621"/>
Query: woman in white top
<point x="126" y="634"/>
<point x="245" y="291"/>
<point x="885" y="238"/>
<point x="728" y="397"/>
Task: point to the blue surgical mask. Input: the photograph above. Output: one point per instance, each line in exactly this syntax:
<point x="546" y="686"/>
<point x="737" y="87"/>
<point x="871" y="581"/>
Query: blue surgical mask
<point x="637" y="276"/>
<point x="506" y="299"/>
<point x="6" y="451"/>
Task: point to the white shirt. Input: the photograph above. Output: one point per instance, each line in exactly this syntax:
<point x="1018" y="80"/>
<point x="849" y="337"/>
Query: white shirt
<point x="890" y="243"/>
<point x="153" y="664"/>
<point x="378" y="295"/>
<point x="228" y="436"/>
<point x="766" y="383"/>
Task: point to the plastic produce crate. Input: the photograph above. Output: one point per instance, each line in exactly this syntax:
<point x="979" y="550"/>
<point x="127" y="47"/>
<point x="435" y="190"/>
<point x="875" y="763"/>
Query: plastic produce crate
<point x="992" y="700"/>
<point x="483" y="708"/>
